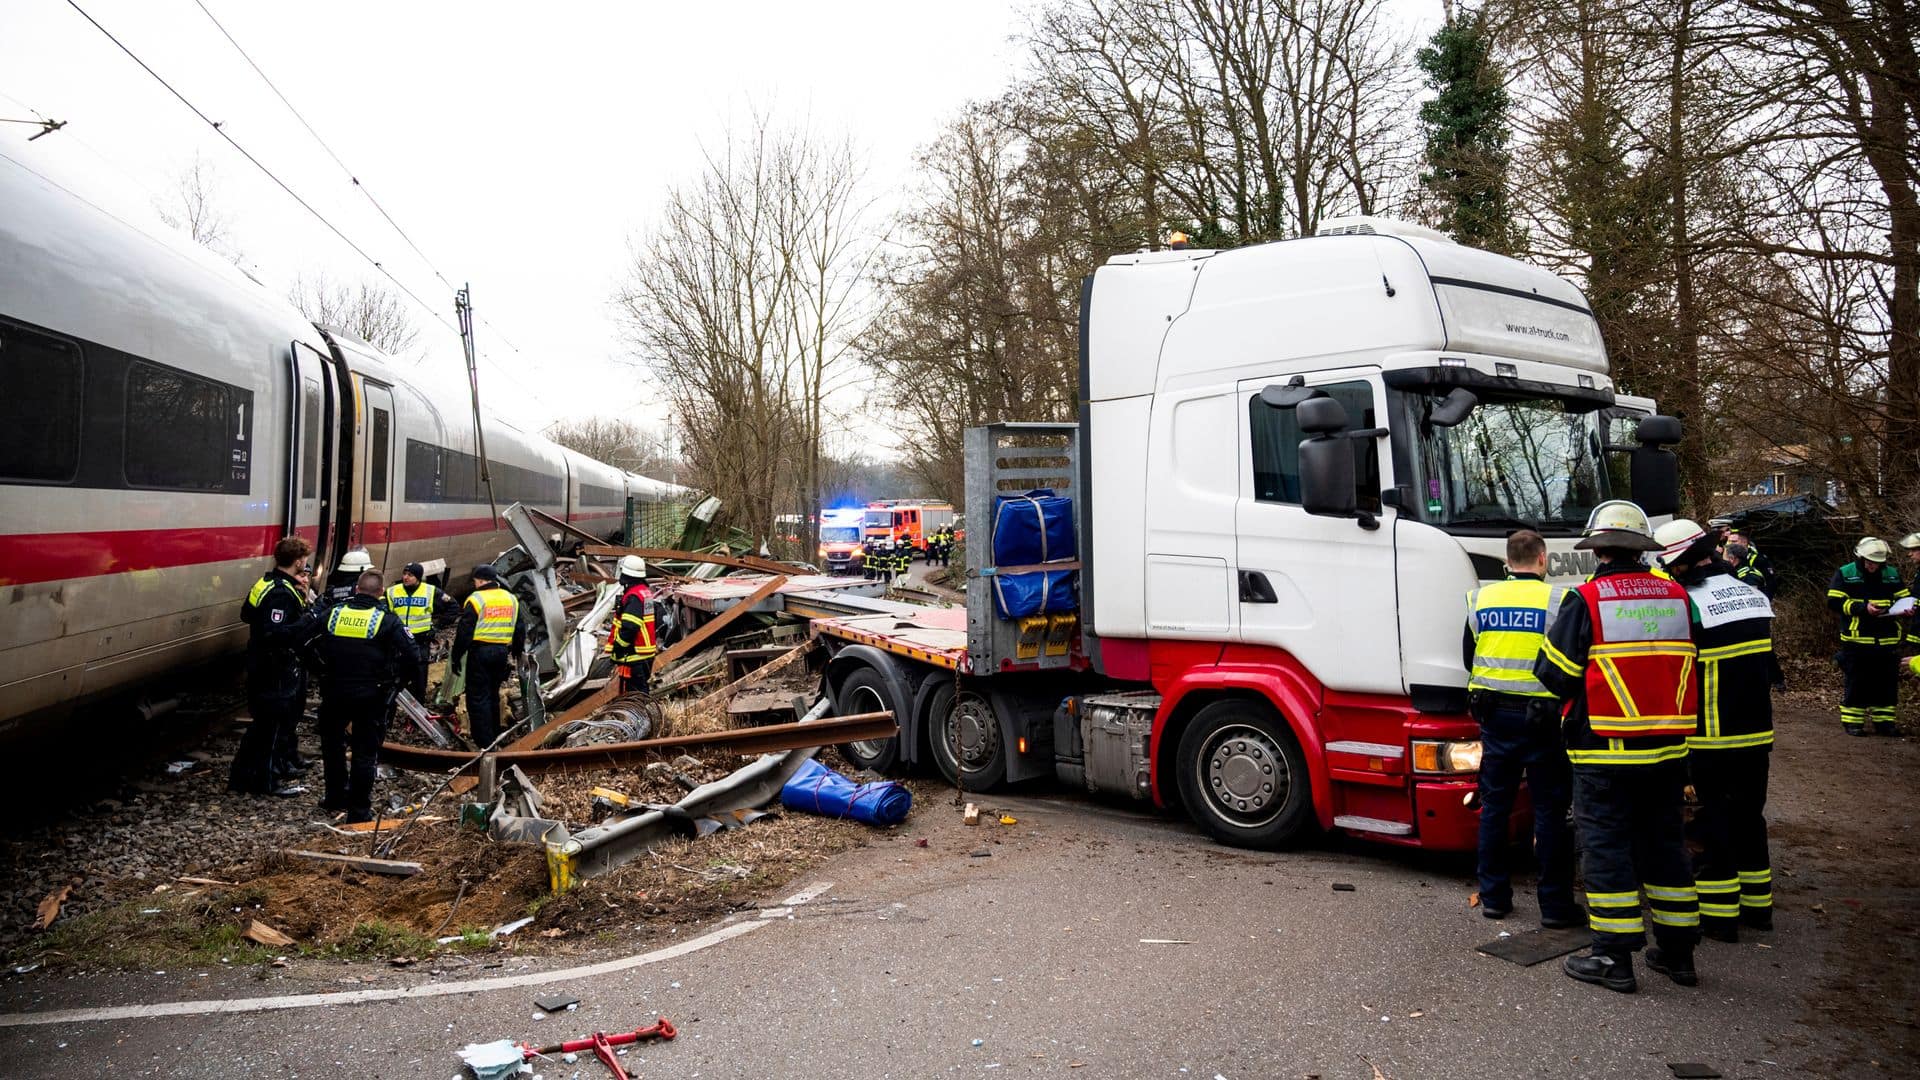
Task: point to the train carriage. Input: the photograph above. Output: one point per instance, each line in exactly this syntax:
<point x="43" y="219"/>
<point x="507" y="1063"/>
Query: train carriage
<point x="164" y="419"/>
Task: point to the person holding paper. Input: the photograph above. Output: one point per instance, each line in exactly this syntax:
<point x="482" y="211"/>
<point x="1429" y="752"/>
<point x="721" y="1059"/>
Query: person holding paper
<point x="1863" y="593"/>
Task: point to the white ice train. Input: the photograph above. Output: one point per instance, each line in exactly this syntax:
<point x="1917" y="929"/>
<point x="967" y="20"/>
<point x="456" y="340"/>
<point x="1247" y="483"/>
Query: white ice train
<point x="163" y="421"/>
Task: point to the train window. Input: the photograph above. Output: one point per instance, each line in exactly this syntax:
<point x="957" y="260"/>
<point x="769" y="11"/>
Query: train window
<point x="184" y="432"/>
<point x="310" y="440"/>
<point x="377" y="458"/>
<point x="40" y="404"/>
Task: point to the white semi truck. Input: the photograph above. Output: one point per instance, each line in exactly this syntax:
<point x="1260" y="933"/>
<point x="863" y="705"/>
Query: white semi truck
<point x="1292" y="463"/>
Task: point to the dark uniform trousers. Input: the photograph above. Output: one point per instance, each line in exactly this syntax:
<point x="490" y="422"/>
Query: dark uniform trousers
<point x="1733" y="870"/>
<point x="1632" y="825"/>
<point x="351" y="717"/>
<point x="638" y="677"/>
<point x="1873" y="684"/>
<point x="286" y="739"/>
<point x="423" y="643"/>
<point x="1517" y="741"/>
<point x="263" y="759"/>
<point x="488" y="668"/>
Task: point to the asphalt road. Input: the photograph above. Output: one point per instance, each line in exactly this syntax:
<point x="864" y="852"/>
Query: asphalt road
<point x="1044" y="952"/>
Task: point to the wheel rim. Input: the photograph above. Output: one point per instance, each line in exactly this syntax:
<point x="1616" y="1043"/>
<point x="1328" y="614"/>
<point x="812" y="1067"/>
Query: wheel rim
<point x="865" y="699"/>
<point x="979" y="735"/>
<point x="1245" y="775"/>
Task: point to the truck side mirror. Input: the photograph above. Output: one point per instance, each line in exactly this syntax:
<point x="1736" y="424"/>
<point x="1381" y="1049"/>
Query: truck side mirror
<point x="1455" y="407"/>
<point x="1326" y="460"/>
<point x="1653" y="470"/>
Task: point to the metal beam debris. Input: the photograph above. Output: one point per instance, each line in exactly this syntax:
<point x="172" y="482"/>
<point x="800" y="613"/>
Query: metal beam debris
<point x="774" y="737"/>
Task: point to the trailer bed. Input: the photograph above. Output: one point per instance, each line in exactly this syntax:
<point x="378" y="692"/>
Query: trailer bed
<point x="932" y="635"/>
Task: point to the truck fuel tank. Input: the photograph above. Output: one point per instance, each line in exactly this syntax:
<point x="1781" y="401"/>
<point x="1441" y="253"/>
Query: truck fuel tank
<point x="1102" y="742"/>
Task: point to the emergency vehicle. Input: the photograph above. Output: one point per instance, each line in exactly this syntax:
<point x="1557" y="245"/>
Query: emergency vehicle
<point x="906" y="521"/>
<point x="1292" y="463"/>
<point x="840" y="536"/>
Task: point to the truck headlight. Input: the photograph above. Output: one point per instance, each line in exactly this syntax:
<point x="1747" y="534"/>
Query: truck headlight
<point x="1446" y="755"/>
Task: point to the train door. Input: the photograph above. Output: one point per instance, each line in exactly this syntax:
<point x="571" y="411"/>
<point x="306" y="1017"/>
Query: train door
<point x="311" y="435"/>
<point x="376" y="481"/>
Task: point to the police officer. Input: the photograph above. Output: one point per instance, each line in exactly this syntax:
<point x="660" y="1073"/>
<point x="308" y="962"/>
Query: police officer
<point x="488" y="637"/>
<point x="1749" y="564"/>
<point x="420" y="608"/>
<point x="276" y="683"/>
<point x="632" y="642"/>
<point x="1727" y="758"/>
<point x="1620" y="654"/>
<point x="365" y="655"/>
<point x="1862" y="593"/>
<point x="1519" y="732"/>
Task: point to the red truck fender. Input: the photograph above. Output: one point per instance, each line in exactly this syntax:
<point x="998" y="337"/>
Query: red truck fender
<point x="1183" y="669"/>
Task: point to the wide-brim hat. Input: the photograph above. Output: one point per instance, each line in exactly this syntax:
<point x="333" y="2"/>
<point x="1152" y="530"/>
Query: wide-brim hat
<point x="1618" y="538"/>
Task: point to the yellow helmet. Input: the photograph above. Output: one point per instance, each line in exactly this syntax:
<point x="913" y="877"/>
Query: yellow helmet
<point x="1618" y="523"/>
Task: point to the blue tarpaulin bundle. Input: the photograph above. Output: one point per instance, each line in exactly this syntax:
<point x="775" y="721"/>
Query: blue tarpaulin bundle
<point x="1033" y="528"/>
<point x="819" y="790"/>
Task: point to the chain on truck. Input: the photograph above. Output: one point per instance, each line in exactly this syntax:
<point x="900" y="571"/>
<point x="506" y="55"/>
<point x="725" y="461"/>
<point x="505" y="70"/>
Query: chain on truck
<point x="1238" y="584"/>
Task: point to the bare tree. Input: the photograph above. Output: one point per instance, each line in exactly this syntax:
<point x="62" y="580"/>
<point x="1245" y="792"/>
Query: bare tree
<point x="743" y="302"/>
<point x="193" y="206"/>
<point x="367" y="310"/>
<point x="620" y="443"/>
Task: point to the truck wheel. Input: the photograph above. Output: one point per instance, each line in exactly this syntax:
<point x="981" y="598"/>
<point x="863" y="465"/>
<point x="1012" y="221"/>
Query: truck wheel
<point x="1242" y="776"/>
<point x="865" y="691"/>
<point x="968" y="719"/>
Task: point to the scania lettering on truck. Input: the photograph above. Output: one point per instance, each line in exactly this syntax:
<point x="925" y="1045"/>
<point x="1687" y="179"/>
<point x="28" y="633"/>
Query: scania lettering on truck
<point x="1293" y="461"/>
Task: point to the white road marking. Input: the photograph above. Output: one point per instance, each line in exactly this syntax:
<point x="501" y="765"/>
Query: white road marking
<point x="355" y="997"/>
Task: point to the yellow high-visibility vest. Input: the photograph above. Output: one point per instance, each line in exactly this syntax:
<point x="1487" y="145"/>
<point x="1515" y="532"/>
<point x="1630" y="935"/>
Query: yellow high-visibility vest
<point x="414" y="608"/>
<point x="1510" y="621"/>
<point x="497" y="610"/>
<point x="355" y="622"/>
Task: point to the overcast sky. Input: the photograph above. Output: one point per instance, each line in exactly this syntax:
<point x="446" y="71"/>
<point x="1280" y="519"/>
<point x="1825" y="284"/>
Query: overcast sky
<point x="521" y="146"/>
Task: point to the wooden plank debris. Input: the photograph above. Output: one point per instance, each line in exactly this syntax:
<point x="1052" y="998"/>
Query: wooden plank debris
<point x="391" y="867"/>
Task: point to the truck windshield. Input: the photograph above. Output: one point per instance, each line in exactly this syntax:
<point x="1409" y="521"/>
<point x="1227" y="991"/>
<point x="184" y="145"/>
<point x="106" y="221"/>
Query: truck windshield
<point x="839" y="534"/>
<point x="879" y="519"/>
<point x="1524" y="462"/>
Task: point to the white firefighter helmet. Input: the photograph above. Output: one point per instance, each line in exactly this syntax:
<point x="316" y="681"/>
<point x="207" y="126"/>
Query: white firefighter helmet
<point x="1911" y="541"/>
<point x="1676" y="538"/>
<point x="355" y="561"/>
<point x="1618" y="523"/>
<point x="633" y="566"/>
<point x="1873" y="549"/>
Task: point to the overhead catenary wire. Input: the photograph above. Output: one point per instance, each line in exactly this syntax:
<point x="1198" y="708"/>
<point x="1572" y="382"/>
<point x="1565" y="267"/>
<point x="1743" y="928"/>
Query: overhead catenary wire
<point x="219" y="129"/>
<point x="351" y="175"/>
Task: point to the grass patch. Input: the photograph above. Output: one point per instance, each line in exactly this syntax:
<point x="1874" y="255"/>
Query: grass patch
<point x="148" y="934"/>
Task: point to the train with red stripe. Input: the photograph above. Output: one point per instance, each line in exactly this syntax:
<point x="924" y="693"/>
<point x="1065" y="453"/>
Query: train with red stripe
<point x="164" y="420"/>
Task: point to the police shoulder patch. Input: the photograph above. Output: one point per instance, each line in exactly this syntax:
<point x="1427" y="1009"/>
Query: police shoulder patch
<point x="278" y="615"/>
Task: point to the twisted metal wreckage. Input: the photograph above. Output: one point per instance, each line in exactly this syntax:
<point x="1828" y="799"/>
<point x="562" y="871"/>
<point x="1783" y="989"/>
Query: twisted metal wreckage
<point x="572" y="598"/>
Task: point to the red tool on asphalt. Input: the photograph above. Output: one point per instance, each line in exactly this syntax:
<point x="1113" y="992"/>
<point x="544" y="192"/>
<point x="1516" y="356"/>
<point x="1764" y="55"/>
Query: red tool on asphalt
<point x="602" y="1045"/>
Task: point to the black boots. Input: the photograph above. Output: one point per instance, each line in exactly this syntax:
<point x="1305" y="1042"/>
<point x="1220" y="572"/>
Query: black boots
<point x="1760" y="918"/>
<point x="1613" y="970"/>
<point x="1727" y="930"/>
<point x="1677" y="966"/>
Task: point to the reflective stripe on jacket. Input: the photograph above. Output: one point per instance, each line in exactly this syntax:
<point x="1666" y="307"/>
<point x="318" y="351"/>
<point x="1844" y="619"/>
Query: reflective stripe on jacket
<point x="497" y="610"/>
<point x="633" y="639"/>
<point x="1509" y="621"/>
<point x="1848" y="594"/>
<point x="415" y="608"/>
<point x="1735" y="638"/>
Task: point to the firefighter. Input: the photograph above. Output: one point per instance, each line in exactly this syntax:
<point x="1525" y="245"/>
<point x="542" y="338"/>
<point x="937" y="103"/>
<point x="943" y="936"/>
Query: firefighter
<point x="365" y="655"/>
<point x="1749" y="565"/>
<point x="868" y="554"/>
<point x="1519" y="732"/>
<point x="632" y="643"/>
<point x="1727" y="759"/>
<point x="1862" y="593"/>
<point x="1910" y="543"/>
<point x="488" y="637"/>
<point x="341" y="583"/>
<point x="1622" y="640"/>
<point x="276" y="682"/>
<point x="420" y="608"/>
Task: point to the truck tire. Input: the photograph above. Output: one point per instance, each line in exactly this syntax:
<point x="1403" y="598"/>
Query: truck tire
<point x="1243" y="777"/>
<point x="865" y="691"/>
<point x="982" y="761"/>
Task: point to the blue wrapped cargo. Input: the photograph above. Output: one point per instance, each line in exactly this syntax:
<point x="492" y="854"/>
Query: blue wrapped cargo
<point x="819" y="790"/>
<point x="1033" y="528"/>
